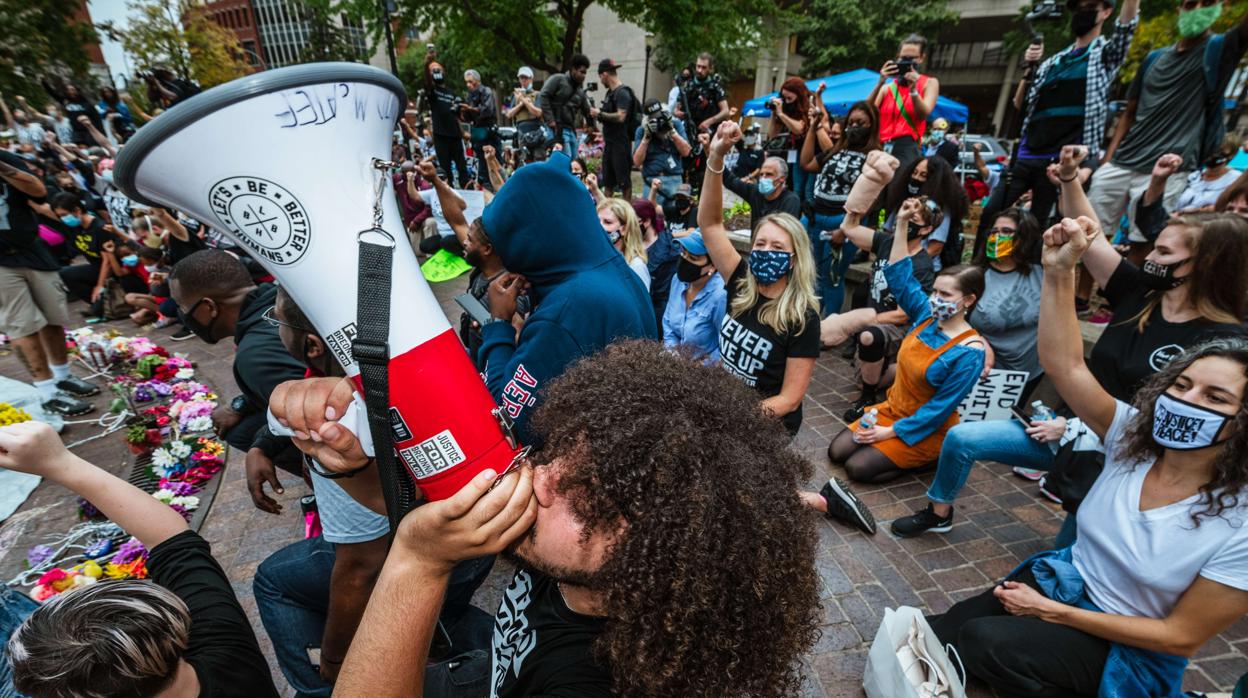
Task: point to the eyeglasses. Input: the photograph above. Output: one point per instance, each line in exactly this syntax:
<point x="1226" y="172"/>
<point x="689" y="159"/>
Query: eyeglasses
<point x="271" y="318"/>
<point x="1193" y="4"/>
<point x="1002" y="231"/>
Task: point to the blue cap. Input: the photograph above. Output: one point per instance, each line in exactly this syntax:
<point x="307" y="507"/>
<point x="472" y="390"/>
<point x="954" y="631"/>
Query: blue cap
<point x="693" y="243"/>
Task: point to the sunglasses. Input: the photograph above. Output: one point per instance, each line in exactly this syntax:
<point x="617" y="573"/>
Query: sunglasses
<point x="270" y="317"/>
<point x="1193" y="4"/>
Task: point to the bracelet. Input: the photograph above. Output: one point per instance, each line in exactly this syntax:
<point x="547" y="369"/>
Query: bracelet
<point x="712" y="170"/>
<point x="1063" y="180"/>
<point x="330" y="475"/>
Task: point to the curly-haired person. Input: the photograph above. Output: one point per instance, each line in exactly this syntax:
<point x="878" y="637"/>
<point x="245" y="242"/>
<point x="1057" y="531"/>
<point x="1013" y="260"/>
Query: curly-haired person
<point x="655" y="557"/>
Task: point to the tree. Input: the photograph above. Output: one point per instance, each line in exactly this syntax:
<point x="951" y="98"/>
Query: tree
<point x="42" y="40"/>
<point x="328" y="40"/>
<point x="839" y="35"/>
<point x="182" y="37"/>
<point x="1161" y="30"/>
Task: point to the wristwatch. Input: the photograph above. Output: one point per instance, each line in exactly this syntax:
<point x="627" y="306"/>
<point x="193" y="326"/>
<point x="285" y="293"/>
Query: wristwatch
<point x="240" y="404"/>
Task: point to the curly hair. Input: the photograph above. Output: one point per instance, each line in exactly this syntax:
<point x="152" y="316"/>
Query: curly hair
<point x="1230" y="468"/>
<point x="941" y="186"/>
<point x="711" y="588"/>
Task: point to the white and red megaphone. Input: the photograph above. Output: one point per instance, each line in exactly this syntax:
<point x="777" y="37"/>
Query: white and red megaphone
<point x="286" y="163"/>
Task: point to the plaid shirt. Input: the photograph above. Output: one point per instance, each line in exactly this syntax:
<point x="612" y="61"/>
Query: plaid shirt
<point x="1105" y="57"/>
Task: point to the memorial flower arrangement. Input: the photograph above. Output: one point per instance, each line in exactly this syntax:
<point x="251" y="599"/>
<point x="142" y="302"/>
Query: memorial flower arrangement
<point x="129" y="562"/>
<point x="12" y="415"/>
<point x="189" y="461"/>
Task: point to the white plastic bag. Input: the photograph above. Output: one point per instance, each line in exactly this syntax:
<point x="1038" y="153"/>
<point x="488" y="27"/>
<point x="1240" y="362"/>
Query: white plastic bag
<point x="907" y="661"/>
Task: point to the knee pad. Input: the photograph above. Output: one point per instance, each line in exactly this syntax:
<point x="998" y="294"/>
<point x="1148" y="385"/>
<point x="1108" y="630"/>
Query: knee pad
<point x="878" y="348"/>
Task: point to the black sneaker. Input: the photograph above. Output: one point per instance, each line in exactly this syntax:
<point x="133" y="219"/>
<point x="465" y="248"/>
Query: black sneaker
<point x="844" y="506"/>
<point x="77" y="387"/>
<point x="925" y="521"/>
<point x="67" y="406"/>
<point x="859" y="406"/>
<point x="182" y="334"/>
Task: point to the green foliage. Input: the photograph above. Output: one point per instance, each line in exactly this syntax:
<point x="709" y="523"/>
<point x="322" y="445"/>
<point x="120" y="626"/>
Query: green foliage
<point x="741" y="208"/>
<point x="1162" y="30"/>
<point x="41" y="40"/>
<point x="328" y="40"/>
<point x="839" y="35"/>
<point x="182" y="37"/>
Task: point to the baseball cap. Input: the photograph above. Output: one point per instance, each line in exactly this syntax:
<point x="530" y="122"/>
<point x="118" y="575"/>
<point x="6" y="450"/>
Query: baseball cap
<point x="684" y="190"/>
<point x="693" y="243"/>
<point x="607" y="65"/>
<point x="524" y="72"/>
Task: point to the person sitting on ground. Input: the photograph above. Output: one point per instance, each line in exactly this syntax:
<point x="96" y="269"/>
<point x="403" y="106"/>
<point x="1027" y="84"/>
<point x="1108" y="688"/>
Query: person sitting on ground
<point x="87" y="232"/>
<point x="216" y="299"/>
<point x="934" y="178"/>
<point x="1160" y="565"/>
<point x="881" y="325"/>
<point x="624" y="232"/>
<point x="698" y="301"/>
<point x="1204" y="190"/>
<point x="147" y="305"/>
<point x="1193" y="287"/>
<point x="1007" y="316"/>
<point x="939" y="362"/>
<point x="633" y="545"/>
<point x="180" y="632"/>
<point x="584" y="297"/>
<point x="770" y="336"/>
<point x="662" y="254"/>
<point x="768" y="195"/>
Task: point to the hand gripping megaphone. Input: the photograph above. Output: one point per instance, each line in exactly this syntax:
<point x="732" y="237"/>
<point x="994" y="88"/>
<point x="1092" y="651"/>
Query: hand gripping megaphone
<point x="290" y="164"/>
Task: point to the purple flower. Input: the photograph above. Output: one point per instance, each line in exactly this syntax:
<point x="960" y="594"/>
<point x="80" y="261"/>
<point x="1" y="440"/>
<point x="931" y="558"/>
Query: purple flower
<point x="129" y="551"/>
<point x="180" y="489"/>
<point x="38" y="555"/>
<point x="87" y="510"/>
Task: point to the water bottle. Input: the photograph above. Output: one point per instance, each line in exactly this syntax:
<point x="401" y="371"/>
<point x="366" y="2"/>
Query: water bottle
<point x="868" y="421"/>
<point x="1041" y="413"/>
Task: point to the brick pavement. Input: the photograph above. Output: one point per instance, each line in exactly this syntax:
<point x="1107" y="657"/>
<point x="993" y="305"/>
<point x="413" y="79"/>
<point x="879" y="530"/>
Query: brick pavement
<point x="1000" y="521"/>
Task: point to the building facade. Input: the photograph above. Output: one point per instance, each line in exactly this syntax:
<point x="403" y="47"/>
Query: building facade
<point x="239" y="17"/>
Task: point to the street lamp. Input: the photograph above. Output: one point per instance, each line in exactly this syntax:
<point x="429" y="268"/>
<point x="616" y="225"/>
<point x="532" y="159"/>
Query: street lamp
<point x="645" y="77"/>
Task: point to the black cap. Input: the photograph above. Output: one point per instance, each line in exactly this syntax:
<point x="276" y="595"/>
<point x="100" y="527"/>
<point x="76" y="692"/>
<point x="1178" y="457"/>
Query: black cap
<point x="1074" y="4"/>
<point x="607" y="65"/>
<point x="652" y="107"/>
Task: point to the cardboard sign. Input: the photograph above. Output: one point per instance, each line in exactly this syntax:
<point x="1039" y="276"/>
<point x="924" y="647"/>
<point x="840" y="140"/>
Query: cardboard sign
<point x="993" y="396"/>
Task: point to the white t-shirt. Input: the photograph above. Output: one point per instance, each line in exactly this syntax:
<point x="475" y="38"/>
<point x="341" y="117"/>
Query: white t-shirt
<point x="1139" y="563"/>
<point x="638" y="265"/>
<point x="1201" y="192"/>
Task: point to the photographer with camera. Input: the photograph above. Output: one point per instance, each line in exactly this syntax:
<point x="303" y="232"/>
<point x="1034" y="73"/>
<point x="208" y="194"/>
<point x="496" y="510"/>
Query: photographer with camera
<point x="661" y="145"/>
<point x="703" y="104"/>
<point x="526" y="115"/>
<point x="481" y="113"/>
<point x="1065" y="100"/>
<point x="562" y="99"/>
<point x="906" y="101"/>
<point x="619" y="117"/>
<point x="448" y="141"/>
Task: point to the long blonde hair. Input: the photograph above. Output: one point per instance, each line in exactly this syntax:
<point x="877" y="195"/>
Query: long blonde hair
<point x="788" y="312"/>
<point x="634" y="245"/>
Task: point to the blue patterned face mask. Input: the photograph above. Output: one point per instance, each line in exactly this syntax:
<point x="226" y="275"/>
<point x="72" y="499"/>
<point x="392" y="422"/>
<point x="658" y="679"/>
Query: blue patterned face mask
<point x="769" y="266"/>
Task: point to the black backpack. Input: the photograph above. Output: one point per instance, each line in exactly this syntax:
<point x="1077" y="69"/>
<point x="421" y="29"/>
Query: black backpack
<point x="632" y="120"/>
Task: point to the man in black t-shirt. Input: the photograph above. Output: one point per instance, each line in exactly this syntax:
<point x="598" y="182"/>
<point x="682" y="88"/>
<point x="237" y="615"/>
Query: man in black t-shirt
<point x="618" y="114"/>
<point x="681" y="215"/>
<point x="769" y="194"/>
<point x="630" y="544"/>
<point x="88" y="235"/>
<point x="179" y="633"/>
<point x="33" y="312"/>
<point x="448" y="139"/>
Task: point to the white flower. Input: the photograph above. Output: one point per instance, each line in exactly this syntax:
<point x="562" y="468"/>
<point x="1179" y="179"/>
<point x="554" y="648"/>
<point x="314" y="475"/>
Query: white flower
<point x="199" y="424"/>
<point x="184" y="374"/>
<point x="180" y="450"/>
<point x="161" y="458"/>
<point x="165" y="496"/>
<point x="188" y="503"/>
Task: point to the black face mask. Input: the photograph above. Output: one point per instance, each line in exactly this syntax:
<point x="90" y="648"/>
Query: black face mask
<point x="682" y="203"/>
<point x="913" y="187"/>
<point x="1160" y="277"/>
<point x="438" y="77"/>
<point x="689" y="272"/>
<point x="200" y="330"/>
<point x="1083" y="21"/>
<point x="857" y="136"/>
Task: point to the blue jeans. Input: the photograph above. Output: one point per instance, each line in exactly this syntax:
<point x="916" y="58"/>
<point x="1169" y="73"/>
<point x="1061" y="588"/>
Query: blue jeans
<point x="567" y="137"/>
<point x="14" y="607"/>
<point x="831" y="295"/>
<point x="803" y="182"/>
<point x="292" y="591"/>
<point x="667" y="191"/>
<point x="1003" y="441"/>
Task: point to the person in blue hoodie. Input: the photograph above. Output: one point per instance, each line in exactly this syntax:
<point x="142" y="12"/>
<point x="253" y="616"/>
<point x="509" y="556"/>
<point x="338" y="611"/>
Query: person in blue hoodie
<point x="583" y="293"/>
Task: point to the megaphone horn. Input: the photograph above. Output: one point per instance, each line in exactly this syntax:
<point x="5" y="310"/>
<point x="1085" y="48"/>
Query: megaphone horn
<point x="284" y="163"/>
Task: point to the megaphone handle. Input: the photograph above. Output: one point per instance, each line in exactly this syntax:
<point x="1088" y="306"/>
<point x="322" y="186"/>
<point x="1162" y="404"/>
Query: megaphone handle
<point x="351" y="420"/>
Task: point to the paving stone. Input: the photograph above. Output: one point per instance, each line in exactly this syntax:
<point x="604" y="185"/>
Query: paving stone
<point x="966" y="577"/>
<point x="942" y="559"/>
<point x="1011" y="533"/>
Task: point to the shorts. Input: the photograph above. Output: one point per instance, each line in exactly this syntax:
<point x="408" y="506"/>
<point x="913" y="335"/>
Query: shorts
<point x="893" y="334"/>
<point x="617" y="165"/>
<point x="31" y="300"/>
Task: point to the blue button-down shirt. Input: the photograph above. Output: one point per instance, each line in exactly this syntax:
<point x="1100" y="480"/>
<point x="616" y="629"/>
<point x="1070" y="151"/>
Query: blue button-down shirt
<point x="696" y="325"/>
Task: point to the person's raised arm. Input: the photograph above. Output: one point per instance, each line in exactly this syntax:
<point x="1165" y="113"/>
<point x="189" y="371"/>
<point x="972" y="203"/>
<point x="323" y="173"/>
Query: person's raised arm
<point x="806" y="158"/>
<point x="1163" y="170"/>
<point x="925" y="106"/>
<point x="33" y="447"/>
<point x="877" y="94"/>
<point x="23" y="181"/>
<point x="172" y="224"/>
<point x="711" y="208"/>
<point x="388" y="654"/>
<point x="494" y="166"/>
<point x="449" y="200"/>
<point x="135" y="109"/>
<point x="643" y="147"/>
<point x="35" y="113"/>
<point x="683" y="148"/>
<point x="980" y="166"/>
<point x="1060" y="342"/>
<point x="100" y="139"/>
<point x="8" y="115"/>
<point x="905" y="219"/>
<point x="1031" y="56"/>
<point x="1101" y="259"/>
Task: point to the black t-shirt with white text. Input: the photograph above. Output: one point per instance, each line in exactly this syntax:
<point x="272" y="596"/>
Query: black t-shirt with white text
<point x="222" y="650"/>
<point x="1123" y="358"/>
<point x="882" y="299"/>
<point x="757" y="354"/>
<point x="20" y="244"/>
<point x="678" y="222"/>
<point x="89" y="240"/>
<point x="836" y="177"/>
<point x="541" y="647"/>
<point x="444" y="112"/>
<point x="619" y="99"/>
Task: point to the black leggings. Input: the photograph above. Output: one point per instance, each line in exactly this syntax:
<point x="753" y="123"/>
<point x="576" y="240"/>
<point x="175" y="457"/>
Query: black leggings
<point x="1023" y="657"/>
<point x="450" y="150"/>
<point x="863" y="463"/>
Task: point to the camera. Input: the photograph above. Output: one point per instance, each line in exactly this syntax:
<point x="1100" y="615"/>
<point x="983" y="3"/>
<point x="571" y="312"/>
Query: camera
<point x="658" y="121"/>
<point x="591" y="87"/>
<point x="1045" y="9"/>
<point x="904" y="66"/>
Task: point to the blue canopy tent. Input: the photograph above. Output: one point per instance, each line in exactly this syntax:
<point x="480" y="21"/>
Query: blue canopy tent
<point x="846" y="88"/>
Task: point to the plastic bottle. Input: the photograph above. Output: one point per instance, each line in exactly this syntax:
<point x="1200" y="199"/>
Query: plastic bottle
<point x="869" y="419"/>
<point x="1041" y="413"/>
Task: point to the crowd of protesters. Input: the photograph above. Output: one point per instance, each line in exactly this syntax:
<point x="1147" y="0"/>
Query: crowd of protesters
<point x="653" y="555"/>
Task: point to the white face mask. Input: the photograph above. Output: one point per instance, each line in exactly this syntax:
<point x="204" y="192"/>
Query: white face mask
<point x="1182" y="426"/>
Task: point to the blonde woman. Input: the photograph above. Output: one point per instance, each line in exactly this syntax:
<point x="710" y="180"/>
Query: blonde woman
<point x="770" y="336"/>
<point x="624" y="231"/>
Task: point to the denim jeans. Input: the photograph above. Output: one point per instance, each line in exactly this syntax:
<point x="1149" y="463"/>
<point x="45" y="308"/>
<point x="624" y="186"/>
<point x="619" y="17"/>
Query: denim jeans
<point x="667" y="191"/>
<point x="292" y="595"/>
<point x="14" y="607"/>
<point x="567" y="137"/>
<point x="1003" y="441"/>
<point x="832" y="295"/>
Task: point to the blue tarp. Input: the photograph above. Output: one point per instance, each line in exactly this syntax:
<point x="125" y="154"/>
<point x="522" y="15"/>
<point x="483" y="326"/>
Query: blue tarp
<point x="856" y="85"/>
